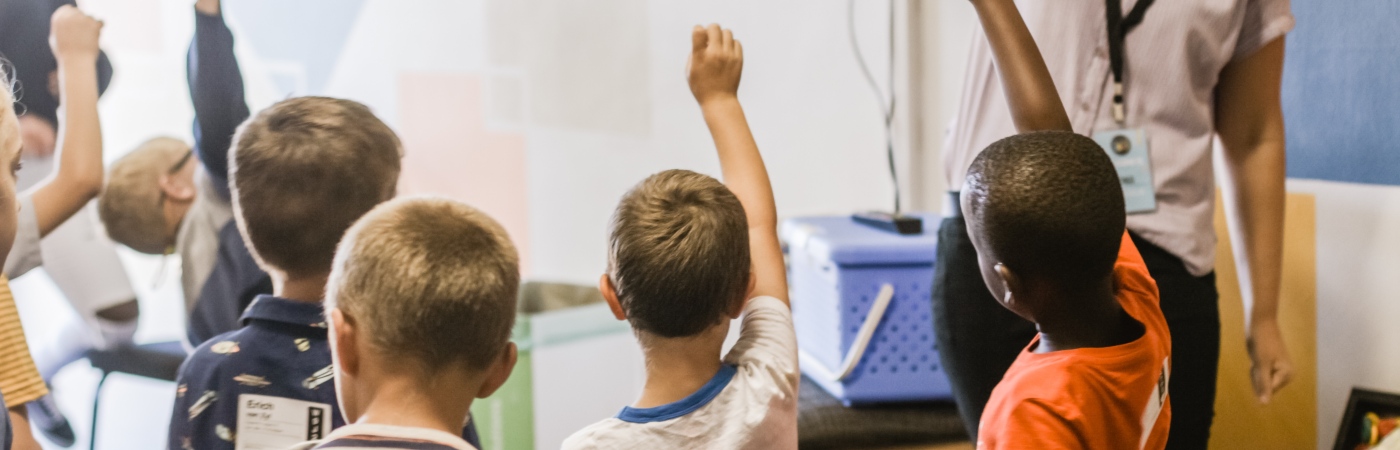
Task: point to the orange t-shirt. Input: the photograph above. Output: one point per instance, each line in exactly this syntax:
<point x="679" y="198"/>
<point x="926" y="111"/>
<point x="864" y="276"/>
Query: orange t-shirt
<point x="1090" y="398"/>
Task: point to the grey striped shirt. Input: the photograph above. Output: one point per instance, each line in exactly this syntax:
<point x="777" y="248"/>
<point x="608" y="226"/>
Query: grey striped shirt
<point x="1173" y="62"/>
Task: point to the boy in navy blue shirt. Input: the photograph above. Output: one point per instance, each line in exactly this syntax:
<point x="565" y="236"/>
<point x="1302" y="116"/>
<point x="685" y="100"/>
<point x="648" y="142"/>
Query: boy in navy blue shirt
<point x="302" y="171"/>
<point x="158" y="201"/>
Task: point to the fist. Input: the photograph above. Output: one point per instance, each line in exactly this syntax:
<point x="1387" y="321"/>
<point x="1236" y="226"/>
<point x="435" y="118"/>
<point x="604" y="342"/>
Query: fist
<point x="74" y="34"/>
<point x="716" y="61"/>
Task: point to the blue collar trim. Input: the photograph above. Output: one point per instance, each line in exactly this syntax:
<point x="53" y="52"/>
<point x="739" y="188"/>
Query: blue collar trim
<point x="684" y="406"/>
<point x="281" y="310"/>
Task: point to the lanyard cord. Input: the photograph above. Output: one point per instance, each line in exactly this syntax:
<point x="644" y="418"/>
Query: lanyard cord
<point x="1118" y="28"/>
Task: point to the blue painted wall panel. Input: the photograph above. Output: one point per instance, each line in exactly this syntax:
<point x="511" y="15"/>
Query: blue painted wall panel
<point x="1341" y="91"/>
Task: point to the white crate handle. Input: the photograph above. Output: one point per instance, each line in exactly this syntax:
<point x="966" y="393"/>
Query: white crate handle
<point x="867" y="331"/>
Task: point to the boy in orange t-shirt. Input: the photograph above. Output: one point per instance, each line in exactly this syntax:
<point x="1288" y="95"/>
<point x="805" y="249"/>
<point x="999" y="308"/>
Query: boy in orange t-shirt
<point x="1045" y="212"/>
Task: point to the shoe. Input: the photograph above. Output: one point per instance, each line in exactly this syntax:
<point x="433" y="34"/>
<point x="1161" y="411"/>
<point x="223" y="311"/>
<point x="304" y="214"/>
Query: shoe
<point x="45" y="415"/>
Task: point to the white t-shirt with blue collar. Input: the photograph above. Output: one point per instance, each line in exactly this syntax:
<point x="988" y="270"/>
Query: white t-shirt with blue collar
<point x="751" y="403"/>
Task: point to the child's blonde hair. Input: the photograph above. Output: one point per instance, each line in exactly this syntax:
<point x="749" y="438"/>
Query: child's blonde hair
<point x="429" y="279"/>
<point x="130" y="205"/>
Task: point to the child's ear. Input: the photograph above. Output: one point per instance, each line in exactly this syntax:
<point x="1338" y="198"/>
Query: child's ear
<point x="174" y="189"/>
<point x="1011" y="288"/>
<point x="343" y="343"/>
<point x="606" y="287"/>
<point x="499" y="372"/>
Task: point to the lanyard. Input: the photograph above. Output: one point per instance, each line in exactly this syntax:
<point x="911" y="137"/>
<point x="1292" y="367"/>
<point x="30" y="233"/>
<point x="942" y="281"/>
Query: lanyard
<point x="1118" y="28"/>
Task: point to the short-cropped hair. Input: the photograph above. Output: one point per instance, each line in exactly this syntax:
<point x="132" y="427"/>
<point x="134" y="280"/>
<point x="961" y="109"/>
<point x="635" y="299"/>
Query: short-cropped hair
<point x="303" y="170"/>
<point x="1049" y="204"/>
<point x="679" y="253"/>
<point x="130" y="205"/>
<point x="429" y="279"/>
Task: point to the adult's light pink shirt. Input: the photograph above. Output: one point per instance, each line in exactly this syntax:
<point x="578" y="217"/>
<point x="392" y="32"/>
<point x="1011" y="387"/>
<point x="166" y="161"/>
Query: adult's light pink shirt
<point x="1173" y="63"/>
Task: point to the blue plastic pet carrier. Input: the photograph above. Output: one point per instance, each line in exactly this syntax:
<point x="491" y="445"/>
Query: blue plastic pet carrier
<point x="861" y="300"/>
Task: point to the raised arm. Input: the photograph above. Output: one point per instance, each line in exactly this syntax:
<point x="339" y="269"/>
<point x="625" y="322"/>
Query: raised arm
<point x="216" y="89"/>
<point x="716" y="63"/>
<point x="1035" y="104"/>
<point x="73" y="38"/>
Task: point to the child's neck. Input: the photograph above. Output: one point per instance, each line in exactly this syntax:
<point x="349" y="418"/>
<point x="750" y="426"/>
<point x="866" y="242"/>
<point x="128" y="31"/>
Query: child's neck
<point x="677" y="367"/>
<point x="303" y="288"/>
<point x="1101" y="322"/>
<point x="410" y="402"/>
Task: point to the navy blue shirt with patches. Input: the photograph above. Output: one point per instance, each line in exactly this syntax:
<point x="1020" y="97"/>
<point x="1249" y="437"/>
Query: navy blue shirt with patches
<point x="281" y="351"/>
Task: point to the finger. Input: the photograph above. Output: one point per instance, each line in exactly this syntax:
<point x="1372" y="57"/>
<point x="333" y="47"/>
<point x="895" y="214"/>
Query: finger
<point x="1261" y="384"/>
<point x="715" y="37"/>
<point x="739" y="50"/>
<point x="727" y="40"/>
<point x="1282" y="376"/>
<point x="697" y="39"/>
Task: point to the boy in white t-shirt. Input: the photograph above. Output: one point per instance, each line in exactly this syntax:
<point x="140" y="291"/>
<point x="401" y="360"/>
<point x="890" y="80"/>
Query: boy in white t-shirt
<point x="420" y="302"/>
<point x="687" y="255"/>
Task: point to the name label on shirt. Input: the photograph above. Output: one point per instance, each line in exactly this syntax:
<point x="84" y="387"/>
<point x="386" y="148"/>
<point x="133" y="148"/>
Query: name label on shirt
<point x="275" y="423"/>
<point x="1155" y="404"/>
<point x="1128" y="150"/>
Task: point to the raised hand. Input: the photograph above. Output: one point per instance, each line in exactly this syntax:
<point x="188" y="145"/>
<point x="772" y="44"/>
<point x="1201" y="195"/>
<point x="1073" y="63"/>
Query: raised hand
<point x="716" y="63"/>
<point x="73" y="35"/>
<point x="207" y="7"/>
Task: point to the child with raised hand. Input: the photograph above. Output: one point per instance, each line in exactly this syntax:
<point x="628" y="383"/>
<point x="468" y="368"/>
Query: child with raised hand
<point x="165" y="197"/>
<point x="73" y="38"/>
<point x="1045" y="212"/>
<point x="74" y="41"/>
<point x="420" y="305"/>
<point x="688" y="255"/>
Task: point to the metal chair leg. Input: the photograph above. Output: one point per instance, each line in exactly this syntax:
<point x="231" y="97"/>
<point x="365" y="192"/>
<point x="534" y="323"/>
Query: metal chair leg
<point x="96" y="406"/>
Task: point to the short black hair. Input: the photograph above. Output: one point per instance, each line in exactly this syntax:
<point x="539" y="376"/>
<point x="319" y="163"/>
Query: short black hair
<point x="1049" y="205"/>
<point x="679" y="253"/>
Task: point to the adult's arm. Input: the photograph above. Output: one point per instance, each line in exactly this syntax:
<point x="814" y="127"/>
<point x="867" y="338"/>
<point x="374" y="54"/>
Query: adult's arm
<point x="78" y="179"/>
<point x="216" y="89"/>
<point x="1249" y="119"/>
<point x="1030" y="92"/>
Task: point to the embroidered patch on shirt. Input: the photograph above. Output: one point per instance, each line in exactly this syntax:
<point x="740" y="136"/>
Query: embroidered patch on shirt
<point x="223" y="432"/>
<point x="203" y="403"/>
<point x="251" y="380"/>
<point x="319" y="378"/>
<point x="224" y="347"/>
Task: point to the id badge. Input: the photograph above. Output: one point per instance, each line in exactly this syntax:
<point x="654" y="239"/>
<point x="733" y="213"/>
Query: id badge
<point x="266" y="422"/>
<point x="1128" y="150"/>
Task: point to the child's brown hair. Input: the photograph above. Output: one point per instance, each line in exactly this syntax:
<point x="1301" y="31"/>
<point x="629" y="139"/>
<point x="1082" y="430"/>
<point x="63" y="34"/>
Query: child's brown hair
<point x="679" y="253"/>
<point x="303" y="170"/>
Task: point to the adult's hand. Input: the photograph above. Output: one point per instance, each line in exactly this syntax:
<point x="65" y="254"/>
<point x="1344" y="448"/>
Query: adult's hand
<point x="1272" y="369"/>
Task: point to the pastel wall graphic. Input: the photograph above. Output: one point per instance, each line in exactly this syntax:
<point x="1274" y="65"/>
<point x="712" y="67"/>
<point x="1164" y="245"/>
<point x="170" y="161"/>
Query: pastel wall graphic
<point x="301" y="39"/>
<point x="449" y="151"/>
<point x="586" y="64"/>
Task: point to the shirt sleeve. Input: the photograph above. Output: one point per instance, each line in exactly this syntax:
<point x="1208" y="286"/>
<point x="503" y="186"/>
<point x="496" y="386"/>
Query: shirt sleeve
<point x="27" y="253"/>
<point x="767" y="341"/>
<point x="216" y="89"/>
<point x="20" y="381"/>
<point x="1264" y="21"/>
<point x="1036" y="425"/>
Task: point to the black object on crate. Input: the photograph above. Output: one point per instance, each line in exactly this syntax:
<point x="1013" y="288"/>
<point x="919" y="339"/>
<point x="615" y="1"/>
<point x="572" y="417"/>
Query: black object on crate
<point x="1362" y="401"/>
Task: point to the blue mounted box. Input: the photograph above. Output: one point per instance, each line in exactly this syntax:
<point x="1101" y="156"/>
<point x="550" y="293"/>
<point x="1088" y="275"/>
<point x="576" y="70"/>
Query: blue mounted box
<point x="838" y="272"/>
